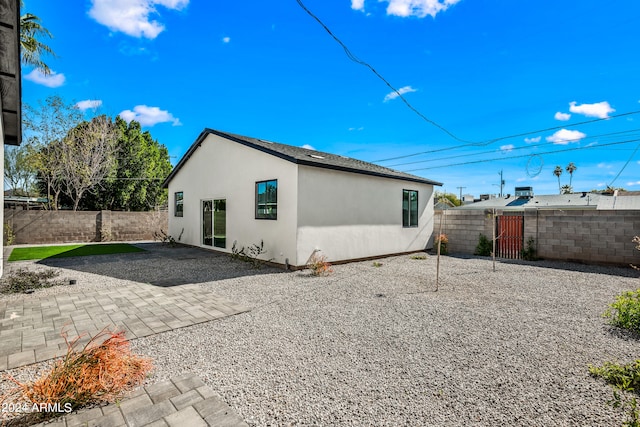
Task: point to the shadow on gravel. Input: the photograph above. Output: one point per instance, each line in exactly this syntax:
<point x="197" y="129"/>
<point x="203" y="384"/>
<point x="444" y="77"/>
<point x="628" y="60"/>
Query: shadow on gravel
<point x="622" y="334"/>
<point x="561" y="265"/>
<point x="162" y="265"/>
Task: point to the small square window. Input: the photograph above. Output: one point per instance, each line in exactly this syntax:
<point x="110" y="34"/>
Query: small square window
<point x="179" y="199"/>
<point x="267" y="199"/>
<point x="409" y="208"/>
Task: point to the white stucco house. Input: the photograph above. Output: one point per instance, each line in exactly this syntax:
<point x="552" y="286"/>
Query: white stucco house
<point x="230" y="188"/>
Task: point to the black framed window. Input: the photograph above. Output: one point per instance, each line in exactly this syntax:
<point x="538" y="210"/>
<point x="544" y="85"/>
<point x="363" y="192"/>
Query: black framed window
<point x="178" y="207"/>
<point x="409" y="208"/>
<point x="267" y="199"/>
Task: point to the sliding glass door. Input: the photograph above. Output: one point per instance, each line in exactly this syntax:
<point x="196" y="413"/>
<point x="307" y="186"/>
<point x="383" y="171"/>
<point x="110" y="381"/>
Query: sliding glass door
<point x="214" y="223"/>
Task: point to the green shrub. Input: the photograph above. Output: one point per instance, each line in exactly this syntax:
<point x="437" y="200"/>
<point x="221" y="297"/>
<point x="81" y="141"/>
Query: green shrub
<point x="624" y="377"/>
<point x="484" y="247"/>
<point x="624" y="312"/>
<point x="529" y="253"/>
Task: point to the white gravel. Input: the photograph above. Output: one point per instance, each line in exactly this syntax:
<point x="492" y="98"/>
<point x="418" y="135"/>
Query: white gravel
<point x="377" y="346"/>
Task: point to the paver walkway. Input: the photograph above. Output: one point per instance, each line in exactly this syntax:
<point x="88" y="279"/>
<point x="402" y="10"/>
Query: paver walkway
<point x="30" y="327"/>
<point x="184" y="401"/>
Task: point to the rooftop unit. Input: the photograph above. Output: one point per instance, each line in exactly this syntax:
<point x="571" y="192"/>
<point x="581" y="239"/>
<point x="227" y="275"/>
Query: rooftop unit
<point x="524" y="192"/>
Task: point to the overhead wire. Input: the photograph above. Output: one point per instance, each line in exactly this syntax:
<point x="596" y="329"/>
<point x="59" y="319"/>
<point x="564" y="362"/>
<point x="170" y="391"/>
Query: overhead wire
<point x="466" y="142"/>
<point x="529" y="146"/>
<point x="526" y="155"/>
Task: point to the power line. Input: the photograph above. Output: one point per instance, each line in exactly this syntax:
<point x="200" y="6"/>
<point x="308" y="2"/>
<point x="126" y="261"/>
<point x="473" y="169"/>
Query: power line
<point x="511" y="149"/>
<point x="524" y="155"/>
<point x="508" y="137"/>
<point x="625" y="165"/>
<point x="357" y="60"/>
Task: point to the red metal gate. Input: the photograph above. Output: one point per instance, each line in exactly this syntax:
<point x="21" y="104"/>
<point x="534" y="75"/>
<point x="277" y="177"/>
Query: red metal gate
<point x="510" y="232"/>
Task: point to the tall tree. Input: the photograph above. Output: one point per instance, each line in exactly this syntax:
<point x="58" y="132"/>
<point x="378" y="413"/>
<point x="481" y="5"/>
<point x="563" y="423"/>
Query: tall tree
<point x="88" y="156"/>
<point x="566" y="189"/>
<point x="141" y="166"/>
<point x="571" y="168"/>
<point x="32" y="49"/>
<point x="557" y="172"/>
<point x="19" y="173"/>
<point x="46" y="127"/>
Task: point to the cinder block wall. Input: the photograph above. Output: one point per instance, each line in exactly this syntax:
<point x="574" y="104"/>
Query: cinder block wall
<point x="567" y="235"/>
<point x="37" y="227"/>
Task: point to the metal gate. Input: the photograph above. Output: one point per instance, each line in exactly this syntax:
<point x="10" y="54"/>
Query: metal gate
<point x="510" y="232"/>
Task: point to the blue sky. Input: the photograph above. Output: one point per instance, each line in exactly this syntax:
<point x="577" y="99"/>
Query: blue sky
<point x="481" y="69"/>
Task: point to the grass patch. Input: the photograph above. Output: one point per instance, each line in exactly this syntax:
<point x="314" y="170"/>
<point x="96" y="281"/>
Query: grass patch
<point x="63" y="251"/>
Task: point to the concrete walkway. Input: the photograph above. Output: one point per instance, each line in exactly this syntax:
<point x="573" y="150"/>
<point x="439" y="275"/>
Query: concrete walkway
<point x="30" y="327"/>
<point x="184" y="401"/>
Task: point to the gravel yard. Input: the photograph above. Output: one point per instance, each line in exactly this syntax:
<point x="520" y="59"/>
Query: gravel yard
<point x="377" y="346"/>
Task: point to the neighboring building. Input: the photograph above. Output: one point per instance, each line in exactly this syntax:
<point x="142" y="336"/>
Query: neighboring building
<point x="524" y="198"/>
<point x="10" y="83"/>
<point x="230" y="188"/>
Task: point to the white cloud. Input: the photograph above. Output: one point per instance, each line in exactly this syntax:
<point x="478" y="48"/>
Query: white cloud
<point x="149" y="116"/>
<point x="357" y="4"/>
<point x="401" y="91"/>
<point x="88" y="104"/>
<point x="419" y="8"/>
<point x="358" y="129"/>
<point x="600" y="110"/>
<point x="308" y="147"/>
<point x="132" y="17"/>
<point x="532" y="140"/>
<point x="522" y="179"/>
<point x="564" y="136"/>
<point x="226" y="39"/>
<point x="631" y="184"/>
<point x="52" y="80"/>
<point x="563" y="117"/>
<point x="605" y="165"/>
<point x="507" y="148"/>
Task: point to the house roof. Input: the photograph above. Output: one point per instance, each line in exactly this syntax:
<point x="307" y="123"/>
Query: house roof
<point x="10" y="83"/>
<point x="301" y="156"/>
<point x="562" y="201"/>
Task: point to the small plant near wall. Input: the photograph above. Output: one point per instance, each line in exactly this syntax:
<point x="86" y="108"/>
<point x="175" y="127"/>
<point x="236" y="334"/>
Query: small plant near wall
<point x="319" y="265"/>
<point x="529" y="253"/>
<point x="625" y="381"/>
<point x="418" y="257"/>
<point x="636" y="240"/>
<point x="624" y="312"/>
<point x="9" y="236"/>
<point x="484" y="246"/>
<point x="249" y="254"/>
<point x="443" y="240"/>
<point x="377" y="264"/>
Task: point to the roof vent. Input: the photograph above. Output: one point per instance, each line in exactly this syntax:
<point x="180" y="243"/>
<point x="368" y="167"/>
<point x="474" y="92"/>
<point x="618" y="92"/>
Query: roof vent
<point x="316" y="156"/>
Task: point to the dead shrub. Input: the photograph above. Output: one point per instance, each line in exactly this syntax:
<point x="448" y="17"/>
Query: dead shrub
<point x="319" y="265"/>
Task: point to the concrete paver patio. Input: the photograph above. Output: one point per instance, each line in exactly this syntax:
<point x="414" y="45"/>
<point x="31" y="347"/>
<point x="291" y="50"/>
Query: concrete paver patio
<point x="30" y="332"/>
<point x="30" y="327"/>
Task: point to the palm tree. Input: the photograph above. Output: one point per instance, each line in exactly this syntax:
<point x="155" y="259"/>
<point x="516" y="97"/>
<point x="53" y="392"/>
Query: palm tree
<point x="571" y="168"/>
<point x="557" y="172"/>
<point x="566" y="189"/>
<point x="31" y="48"/>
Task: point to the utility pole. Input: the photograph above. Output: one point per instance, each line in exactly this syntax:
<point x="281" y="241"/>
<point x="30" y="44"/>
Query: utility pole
<point x="460" y="188"/>
<point x="501" y="183"/>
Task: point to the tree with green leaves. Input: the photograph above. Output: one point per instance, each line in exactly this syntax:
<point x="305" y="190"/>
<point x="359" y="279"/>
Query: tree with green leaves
<point x="449" y="196"/>
<point x="32" y="48"/>
<point x="45" y="128"/>
<point x="566" y="189"/>
<point x="557" y="172"/>
<point x="571" y="168"/>
<point x="135" y="182"/>
<point x="19" y="173"/>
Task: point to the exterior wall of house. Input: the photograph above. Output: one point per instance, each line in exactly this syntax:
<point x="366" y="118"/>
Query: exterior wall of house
<point x="223" y="169"/>
<point x="350" y="216"/>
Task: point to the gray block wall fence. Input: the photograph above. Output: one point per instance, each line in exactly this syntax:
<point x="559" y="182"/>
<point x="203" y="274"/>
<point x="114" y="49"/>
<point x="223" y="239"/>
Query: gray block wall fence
<point x="590" y="236"/>
<point x="40" y="227"/>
